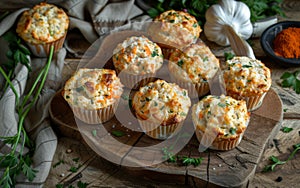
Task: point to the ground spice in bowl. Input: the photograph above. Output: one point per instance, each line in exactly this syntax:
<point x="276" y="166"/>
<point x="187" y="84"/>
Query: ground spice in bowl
<point x="287" y="43"/>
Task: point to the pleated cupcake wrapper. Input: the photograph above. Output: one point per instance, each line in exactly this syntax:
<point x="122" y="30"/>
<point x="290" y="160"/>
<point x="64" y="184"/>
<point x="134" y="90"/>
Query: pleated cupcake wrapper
<point x="95" y="116"/>
<point x="253" y="103"/>
<point x="194" y="90"/>
<point x="43" y="50"/>
<point x="133" y="81"/>
<point x="218" y="143"/>
<point x="160" y="132"/>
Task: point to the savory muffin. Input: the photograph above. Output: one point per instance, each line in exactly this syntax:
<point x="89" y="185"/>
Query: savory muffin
<point x="220" y="121"/>
<point x="193" y="67"/>
<point x="174" y="29"/>
<point x="93" y="94"/>
<point x="135" y="59"/>
<point x="42" y="26"/>
<point x="161" y="108"/>
<point x="247" y="79"/>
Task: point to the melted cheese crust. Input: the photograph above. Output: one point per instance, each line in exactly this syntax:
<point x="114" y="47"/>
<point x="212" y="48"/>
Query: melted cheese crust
<point x="138" y="55"/>
<point x="161" y="102"/>
<point x="196" y="63"/>
<point x="43" y="23"/>
<point x="93" y="88"/>
<point x="176" y="28"/>
<point x="225" y="115"/>
<point x="246" y="77"/>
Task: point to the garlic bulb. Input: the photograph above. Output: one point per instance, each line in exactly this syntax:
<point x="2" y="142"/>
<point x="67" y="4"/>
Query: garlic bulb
<point x="228" y="23"/>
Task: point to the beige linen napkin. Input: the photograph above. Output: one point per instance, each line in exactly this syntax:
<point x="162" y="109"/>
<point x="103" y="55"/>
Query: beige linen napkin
<point x="93" y="18"/>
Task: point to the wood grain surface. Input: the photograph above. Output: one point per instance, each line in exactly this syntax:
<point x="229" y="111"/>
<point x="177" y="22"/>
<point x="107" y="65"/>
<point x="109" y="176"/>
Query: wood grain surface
<point x="234" y="168"/>
<point x="99" y="172"/>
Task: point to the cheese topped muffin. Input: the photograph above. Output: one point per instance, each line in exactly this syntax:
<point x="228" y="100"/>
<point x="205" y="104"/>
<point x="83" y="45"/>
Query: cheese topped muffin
<point x="137" y="56"/>
<point x="246" y="77"/>
<point x="43" y="23"/>
<point x="175" y="28"/>
<point x="161" y="108"/>
<point x="195" y="64"/>
<point x="225" y="119"/>
<point x="93" y="88"/>
<point x="161" y="101"/>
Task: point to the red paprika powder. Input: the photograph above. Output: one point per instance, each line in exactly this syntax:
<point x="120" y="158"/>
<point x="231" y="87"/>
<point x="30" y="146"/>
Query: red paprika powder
<point x="287" y="43"/>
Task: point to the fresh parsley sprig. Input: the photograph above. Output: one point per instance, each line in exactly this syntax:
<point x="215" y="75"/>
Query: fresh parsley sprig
<point x="275" y="161"/>
<point x="184" y="160"/>
<point x="259" y="8"/>
<point x="286" y="129"/>
<point x="15" y="162"/>
<point x="17" y="53"/>
<point x="291" y="80"/>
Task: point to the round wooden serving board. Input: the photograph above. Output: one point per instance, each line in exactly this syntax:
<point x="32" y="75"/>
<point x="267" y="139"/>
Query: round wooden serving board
<point x="233" y="168"/>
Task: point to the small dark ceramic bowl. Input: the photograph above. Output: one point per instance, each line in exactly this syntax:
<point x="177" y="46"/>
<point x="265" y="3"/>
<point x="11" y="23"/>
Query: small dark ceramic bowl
<point x="269" y="35"/>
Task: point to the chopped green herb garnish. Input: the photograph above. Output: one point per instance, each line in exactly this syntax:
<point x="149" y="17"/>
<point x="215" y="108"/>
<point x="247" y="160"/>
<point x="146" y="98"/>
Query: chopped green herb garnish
<point x="275" y="161"/>
<point x="154" y="53"/>
<point x="228" y="56"/>
<point x="286" y="129"/>
<point x="180" y="63"/>
<point x="232" y="130"/>
<point x="247" y="66"/>
<point x="73" y="169"/>
<point x="117" y="133"/>
<point x="94" y="132"/>
<point x="76" y="159"/>
<point x="221" y="104"/>
<point x="80" y="184"/>
<point x="205" y="59"/>
<point x="192" y="161"/>
<point x="183" y="114"/>
<point x="58" y="163"/>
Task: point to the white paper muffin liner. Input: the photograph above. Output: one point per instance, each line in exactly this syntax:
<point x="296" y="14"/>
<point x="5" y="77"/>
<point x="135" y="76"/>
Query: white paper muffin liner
<point x="43" y="50"/>
<point x="253" y="102"/>
<point x="218" y="143"/>
<point x="133" y="81"/>
<point x="194" y="90"/>
<point x="101" y="115"/>
<point x="158" y="131"/>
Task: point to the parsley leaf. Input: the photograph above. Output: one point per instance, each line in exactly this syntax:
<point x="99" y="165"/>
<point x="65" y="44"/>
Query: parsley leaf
<point x="286" y="129"/>
<point x="192" y="161"/>
<point x="117" y="133"/>
<point x="275" y="161"/>
<point x="180" y="63"/>
<point x="73" y="169"/>
<point x="232" y="130"/>
<point x="228" y="55"/>
<point x="80" y="184"/>
<point x="169" y="156"/>
<point x="58" y="163"/>
<point x="290" y="80"/>
<point x="94" y="133"/>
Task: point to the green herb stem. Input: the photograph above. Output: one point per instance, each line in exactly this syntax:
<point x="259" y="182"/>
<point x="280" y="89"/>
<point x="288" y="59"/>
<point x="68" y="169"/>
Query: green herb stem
<point x="44" y="72"/>
<point x="22" y="163"/>
<point x="10" y="84"/>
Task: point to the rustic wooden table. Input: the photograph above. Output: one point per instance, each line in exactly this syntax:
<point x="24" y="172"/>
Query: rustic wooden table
<point x="99" y="172"/>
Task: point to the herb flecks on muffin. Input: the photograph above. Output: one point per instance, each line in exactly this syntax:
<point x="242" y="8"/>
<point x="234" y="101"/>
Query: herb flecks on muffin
<point x="137" y="55"/>
<point x="43" y="23"/>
